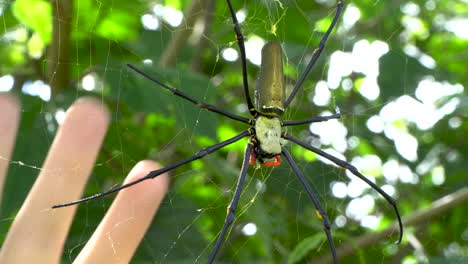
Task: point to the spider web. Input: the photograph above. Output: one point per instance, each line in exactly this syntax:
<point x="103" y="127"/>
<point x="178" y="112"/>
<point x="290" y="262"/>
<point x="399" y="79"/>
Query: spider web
<point x="148" y="122"/>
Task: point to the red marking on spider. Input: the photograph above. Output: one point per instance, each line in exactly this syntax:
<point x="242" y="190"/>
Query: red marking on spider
<point x="273" y="163"/>
<point x="276" y="161"/>
<point x="252" y="159"/>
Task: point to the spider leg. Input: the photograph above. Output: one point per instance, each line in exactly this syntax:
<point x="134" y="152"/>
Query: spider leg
<point x="181" y="94"/>
<point x="153" y="174"/>
<point x="316" y="54"/>
<point x="310" y="120"/>
<point x="354" y="171"/>
<point x="315" y="201"/>
<point x="240" y="42"/>
<point x="233" y="205"/>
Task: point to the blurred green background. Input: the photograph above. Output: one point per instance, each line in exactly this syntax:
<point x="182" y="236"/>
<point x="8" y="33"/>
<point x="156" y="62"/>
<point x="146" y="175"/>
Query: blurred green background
<point x="394" y="69"/>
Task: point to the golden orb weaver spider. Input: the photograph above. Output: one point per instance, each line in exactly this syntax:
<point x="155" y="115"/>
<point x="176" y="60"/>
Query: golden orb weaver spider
<point x="265" y="143"/>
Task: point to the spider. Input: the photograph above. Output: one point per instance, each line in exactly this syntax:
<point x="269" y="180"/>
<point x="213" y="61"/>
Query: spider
<point x="265" y="132"/>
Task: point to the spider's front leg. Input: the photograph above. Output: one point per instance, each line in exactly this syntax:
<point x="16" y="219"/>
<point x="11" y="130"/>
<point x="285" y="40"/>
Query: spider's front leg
<point x="151" y="175"/>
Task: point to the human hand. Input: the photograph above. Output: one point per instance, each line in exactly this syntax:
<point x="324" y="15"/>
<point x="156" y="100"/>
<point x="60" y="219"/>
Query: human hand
<point x="38" y="232"/>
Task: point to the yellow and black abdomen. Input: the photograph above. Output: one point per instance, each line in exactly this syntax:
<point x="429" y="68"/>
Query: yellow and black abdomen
<point x="270" y="87"/>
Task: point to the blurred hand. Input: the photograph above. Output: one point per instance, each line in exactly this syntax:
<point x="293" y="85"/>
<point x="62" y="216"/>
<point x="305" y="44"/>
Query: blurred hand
<point x="38" y="232"/>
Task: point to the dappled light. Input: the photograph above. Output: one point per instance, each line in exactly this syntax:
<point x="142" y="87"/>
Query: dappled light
<point x="393" y="72"/>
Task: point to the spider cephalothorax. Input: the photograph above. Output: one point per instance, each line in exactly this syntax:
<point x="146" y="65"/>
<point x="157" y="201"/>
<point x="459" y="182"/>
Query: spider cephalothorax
<point x="267" y="141"/>
<point x="266" y="136"/>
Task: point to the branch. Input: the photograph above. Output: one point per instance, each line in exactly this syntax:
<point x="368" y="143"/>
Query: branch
<point x="180" y="39"/>
<point x="58" y="57"/>
<point x="435" y="209"/>
<point x="202" y="42"/>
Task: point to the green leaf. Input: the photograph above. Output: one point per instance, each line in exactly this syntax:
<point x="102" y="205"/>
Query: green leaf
<point x="174" y="3"/>
<point x="119" y="26"/>
<point x="304" y="247"/>
<point x="36" y="15"/>
<point x="87" y="13"/>
<point x="444" y="260"/>
<point x="399" y="74"/>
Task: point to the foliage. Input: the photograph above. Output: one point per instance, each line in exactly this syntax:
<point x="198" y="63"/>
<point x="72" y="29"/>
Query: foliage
<point x="151" y="123"/>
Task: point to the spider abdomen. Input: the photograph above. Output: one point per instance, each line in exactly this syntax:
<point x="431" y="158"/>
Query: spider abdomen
<point x="270" y="87"/>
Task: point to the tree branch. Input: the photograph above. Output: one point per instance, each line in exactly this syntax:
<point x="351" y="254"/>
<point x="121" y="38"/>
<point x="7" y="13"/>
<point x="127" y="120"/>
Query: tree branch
<point x="202" y="43"/>
<point x="435" y="209"/>
<point x="180" y="38"/>
<point x="58" y="57"/>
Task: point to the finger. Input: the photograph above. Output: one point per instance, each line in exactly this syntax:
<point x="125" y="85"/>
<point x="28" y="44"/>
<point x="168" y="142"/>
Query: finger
<point x="126" y="222"/>
<point x="9" y="120"/>
<point x="38" y="232"/>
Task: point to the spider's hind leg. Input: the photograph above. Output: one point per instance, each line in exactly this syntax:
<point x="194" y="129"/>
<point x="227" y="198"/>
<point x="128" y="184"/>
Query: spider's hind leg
<point x="353" y="170"/>
<point x="315" y="201"/>
<point x="233" y="205"/>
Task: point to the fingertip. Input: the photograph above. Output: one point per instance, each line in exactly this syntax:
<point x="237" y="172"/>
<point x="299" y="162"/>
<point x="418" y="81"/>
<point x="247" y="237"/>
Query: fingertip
<point x="93" y="107"/>
<point x="82" y="130"/>
<point x="9" y="122"/>
<point x="141" y="169"/>
<point x="9" y="102"/>
<point x="132" y="212"/>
